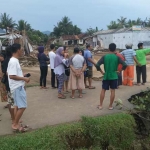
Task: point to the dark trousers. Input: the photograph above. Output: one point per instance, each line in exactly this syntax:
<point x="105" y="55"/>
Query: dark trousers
<point x="44" y="70"/>
<point x="53" y="78"/>
<point x="139" y="71"/>
<point x="119" y="78"/>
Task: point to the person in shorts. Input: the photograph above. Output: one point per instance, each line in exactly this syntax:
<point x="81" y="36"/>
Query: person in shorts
<point x="16" y="83"/>
<point x="110" y="79"/>
<point x="89" y="62"/>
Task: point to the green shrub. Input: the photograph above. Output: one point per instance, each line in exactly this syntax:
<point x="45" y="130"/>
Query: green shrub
<point x="92" y="133"/>
<point x="115" y="130"/>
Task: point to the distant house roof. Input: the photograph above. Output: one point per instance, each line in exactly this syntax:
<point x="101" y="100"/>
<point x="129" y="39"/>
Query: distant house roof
<point x="70" y="37"/>
<point x="119" y="30"/>
<point x="82" y="35"/>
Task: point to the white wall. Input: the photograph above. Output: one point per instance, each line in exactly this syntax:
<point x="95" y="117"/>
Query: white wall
<point x="80" y="41"/>
<point x="107" y="39"/>
<point x="121" y="39"/>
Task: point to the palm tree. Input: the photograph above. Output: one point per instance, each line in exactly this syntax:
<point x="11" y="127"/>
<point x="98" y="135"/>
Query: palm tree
<point x="65" y="24"/>
<point x="6" y="22"/>
<point x="23" y="25"/>
<point x="122" y="22"/>
<point x="113" y="25"/>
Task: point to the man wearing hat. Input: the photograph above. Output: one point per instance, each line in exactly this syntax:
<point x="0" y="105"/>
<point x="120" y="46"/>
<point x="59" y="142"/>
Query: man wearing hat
<point x="130" y="56"/>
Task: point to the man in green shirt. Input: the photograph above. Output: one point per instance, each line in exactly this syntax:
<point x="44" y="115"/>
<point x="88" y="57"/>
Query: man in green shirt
<point x="110" y="80"/>
<point x="141" y="57"/>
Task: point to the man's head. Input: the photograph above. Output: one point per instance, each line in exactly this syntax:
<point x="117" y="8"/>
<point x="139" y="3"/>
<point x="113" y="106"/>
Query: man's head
<point x="129" y="46"/>
<point x="89" y="47"/>
<point x="52" y="47"/>
<point x="112" y="47"/>
<point x="16" y="49"/>
<point x="76" y="50"/>
<point x="140" y="46"/>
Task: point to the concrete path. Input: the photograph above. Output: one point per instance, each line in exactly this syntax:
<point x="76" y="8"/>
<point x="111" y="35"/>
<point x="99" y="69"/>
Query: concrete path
<point x="44" y="108"/>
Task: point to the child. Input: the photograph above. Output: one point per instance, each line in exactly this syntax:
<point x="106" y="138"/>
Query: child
<point x="67" y="73"/>
<point x="111" y="62"/>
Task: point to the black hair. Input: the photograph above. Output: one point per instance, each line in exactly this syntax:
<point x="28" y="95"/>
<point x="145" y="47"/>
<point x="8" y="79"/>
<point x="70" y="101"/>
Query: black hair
<point x="9" y="51"/>
<point x="15" y="47"/>
<point x="88" y="45"/>
<point x="76" y="50"/>
<point x="112" y="47"/>
<point x="52" y="46"/>
<point x="140" y="45"/>
<point x="64" y="47"/>
<point x="82" y="52"/>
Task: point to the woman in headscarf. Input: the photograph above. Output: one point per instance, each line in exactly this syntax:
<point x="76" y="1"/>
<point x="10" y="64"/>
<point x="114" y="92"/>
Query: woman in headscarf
<point x="61" y="60"/>
<point x="43" y="66"/>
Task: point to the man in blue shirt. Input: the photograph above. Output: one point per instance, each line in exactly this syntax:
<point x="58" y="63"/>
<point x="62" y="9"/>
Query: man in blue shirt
<point x="90" y="62"/>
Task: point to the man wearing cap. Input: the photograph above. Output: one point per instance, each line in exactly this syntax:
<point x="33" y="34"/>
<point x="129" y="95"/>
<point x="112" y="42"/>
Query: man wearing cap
<point x="141" y="57"/>
<point x="130" y="56"/>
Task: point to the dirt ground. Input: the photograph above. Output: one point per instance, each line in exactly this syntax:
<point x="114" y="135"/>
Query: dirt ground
<point x="44" y="108"/>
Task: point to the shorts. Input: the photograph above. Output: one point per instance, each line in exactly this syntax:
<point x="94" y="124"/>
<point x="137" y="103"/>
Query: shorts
<point x="10" y="99"/>
<point x="112" y="84"/>
<point x="89" y="72"/>
<point x="19" y="96"/>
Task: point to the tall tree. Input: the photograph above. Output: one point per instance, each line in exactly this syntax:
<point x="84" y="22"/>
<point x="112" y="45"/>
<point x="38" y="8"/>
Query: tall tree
<point x="122" y="22"/>
<point x="6" y="22"/>
<point x="113" y="25"/>
<point x="23" y="25"/>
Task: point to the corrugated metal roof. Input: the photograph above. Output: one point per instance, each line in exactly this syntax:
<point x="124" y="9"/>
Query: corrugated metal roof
<point x="119" y="30"/>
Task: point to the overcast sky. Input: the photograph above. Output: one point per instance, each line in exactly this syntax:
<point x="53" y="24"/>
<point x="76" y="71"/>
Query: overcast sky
<point x="44" y="14"/>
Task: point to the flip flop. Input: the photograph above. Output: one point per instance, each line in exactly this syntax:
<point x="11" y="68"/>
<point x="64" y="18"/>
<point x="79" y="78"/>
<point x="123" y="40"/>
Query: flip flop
<point x="80" y="96"/>
<point x="92" y="87"/>
<point x="62" y="97"/>
<point x="72" y="97"/>
<point x="20" y="130"/>
<point x="111" y="108"/>
<point x="87" y="87"/>
<point x="24" y="126"/>
<point x="99" y="107"/>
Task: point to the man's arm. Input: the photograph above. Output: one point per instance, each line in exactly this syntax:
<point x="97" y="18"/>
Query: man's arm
<point x="136" y="61"/>
<point x="124" y="65"/>
<point x="89" y="59"/>
<point x="146" y="51"/>
<point x="99" y="63"/>
<point x="17" y="78"/>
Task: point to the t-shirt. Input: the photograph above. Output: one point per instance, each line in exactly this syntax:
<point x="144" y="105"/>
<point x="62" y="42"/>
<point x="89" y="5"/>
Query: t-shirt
<point x="111" y="62"/>
<point x="52" y="56"/>
<point x="14" y="69"/>
<point x="129" y="54"/>
<point x="141" y="55"/>
<point x="88" y="54"/>
<point x="77" y="61"/>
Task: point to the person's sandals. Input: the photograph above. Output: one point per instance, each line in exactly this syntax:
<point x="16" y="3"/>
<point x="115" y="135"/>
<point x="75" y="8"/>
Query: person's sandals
<point x="80" y="96"/>
<point x="62" y="96"/>
<point x="99" y="107"/>
<point x="45" y="87"/>
<point x="143" y="83"/>
<point x="111" y="108"/>
<point x="72" y="97"/>
<point x="87" y="86"/>
<point x="92" y="87"/>
<point x="20" y="130"/>
<point x="24" y="126"/>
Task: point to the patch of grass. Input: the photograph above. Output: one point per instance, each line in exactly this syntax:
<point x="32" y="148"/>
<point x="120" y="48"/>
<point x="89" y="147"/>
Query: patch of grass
<point x="92" y="133"/>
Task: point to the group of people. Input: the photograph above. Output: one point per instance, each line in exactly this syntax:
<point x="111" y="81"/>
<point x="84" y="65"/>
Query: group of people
<point x="71" y="73"/>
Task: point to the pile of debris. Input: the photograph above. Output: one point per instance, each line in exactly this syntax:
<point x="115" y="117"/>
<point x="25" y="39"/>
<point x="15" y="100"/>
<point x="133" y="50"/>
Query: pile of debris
<point x="30" y="61"/>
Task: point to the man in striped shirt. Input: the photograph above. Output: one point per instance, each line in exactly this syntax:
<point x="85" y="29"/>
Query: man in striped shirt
<point x="130" y="56"/>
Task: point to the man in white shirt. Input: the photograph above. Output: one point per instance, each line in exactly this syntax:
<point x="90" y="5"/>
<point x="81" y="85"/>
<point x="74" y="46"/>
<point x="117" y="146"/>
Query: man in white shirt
<point x="52" y="56"/>
<point x="16" y="84"/>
